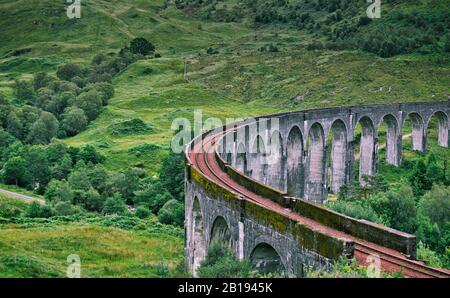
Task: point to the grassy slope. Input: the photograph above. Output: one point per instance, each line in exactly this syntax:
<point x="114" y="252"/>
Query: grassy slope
<point x="104" y="251"/>
<point x="40" y="250"/>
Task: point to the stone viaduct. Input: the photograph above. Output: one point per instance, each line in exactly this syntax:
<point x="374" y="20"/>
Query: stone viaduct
<point x="257" y="184"/>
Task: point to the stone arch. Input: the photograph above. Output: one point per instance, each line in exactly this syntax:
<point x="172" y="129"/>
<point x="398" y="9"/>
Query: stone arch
<point x="393" y="140"/>
<point x="275" y="161"/>
<point x="417" y="132"/>
<point x="266" y="259"/>
<point x="294" y="163"/>
<point x="198" y="235"/>
<point x="258" y="157"/>
<point x="338" y="158"/>
<point x="315" y="184"/>
<point x="367" y="147"/>
<point x="443" y="128"/>
<point x="241" y="158"/>
<point x="220" y="231"/>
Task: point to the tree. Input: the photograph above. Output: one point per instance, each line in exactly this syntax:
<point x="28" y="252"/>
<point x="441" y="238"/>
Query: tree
<point x="90" y="102"/>
<point x="59" y="191"/>
<point x="93" y="201"/>
<point x="106" y="90"/>
<point x="79" y="180"/>
<point x="397" y="208"/>
<point x="419" y="180"/>
<point x="24" y="90"/>
<point x="89" y="155"/>
<point x="14" y="125"/>
<point x="142" y="212"/>
<point x="74" y="121"/>
<point x="172" y="213"/>
<point x="15" y="171"/>
<point x="41" y="79"/>
<point x="172" y="175"/>
<point x="38" y="167"/>
<point x="68" y="71"/>
<point x="435" y="204"/>
<point x="141" y="46"/>
<point x="44" y="129"/>
<point x="434" y="172"/>
<point x="115" y="205"/>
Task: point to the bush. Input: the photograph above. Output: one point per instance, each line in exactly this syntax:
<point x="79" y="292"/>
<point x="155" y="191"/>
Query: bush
<point x="355" y="210"/>
<point x="142" y="212"/>
<point x="36" y="210"/>
<point x="435" y="204"/>
<point x="141" y="46"/>
<point x="220" y="262"/>
<point x="397" y="208"/>
<point x="115" y="205"/>
<point x="68" y="71"/>
<point x="172" y="213"/>
<point x="74" y="121"/>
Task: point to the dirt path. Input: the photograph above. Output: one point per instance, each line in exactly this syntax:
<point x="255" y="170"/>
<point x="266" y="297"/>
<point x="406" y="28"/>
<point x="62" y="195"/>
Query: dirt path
<point x="25" y="198"/>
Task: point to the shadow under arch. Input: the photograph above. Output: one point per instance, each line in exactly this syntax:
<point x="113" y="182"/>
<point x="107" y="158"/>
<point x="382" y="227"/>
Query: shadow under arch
<point x="294" y="163"/>
<point x="390" y="137"/>
<point x="258" y="160"/>
<point x="220" y="232"/>
<point x="442" y="129"/>
<point x="198" y="235"/>
<point x="417" y="131"/>
<point x="338" y="157"/>
<point x="266" y="259"/>
<point x="241" y="158"/>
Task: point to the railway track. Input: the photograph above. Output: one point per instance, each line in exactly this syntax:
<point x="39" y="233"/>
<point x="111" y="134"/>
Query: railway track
<point x="203" y="158"/>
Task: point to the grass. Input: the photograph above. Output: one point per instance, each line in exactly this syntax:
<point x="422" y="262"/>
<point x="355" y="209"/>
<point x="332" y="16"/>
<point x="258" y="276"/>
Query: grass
<point x="104" y="251"/>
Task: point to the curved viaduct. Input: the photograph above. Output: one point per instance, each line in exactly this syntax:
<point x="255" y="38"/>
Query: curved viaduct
<point x="258" y="185"/>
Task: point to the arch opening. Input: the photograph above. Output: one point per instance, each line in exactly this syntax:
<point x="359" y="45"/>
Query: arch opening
<point x="415" y="130"/>
<point x="220" y="232"/>
<point x="315" y="186"/>
<point x="337" y="143"/>
<point x="266" y="260"/>
<point x="241" y="158"/>
<point x="389" y="141"/>
<point x="438" y="130"/>
<point x="198" y="236"/>
<point x="259" y="162"/>
<point x="294" y="159"/>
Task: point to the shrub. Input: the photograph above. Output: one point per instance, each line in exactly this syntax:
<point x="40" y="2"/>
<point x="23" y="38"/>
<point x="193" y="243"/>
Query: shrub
<point x="220" y="262"/>
<point x="172" y="213"/>
<point x="115" y="205"/>
<point x="68" y="71"/>
<point x="130" y="127"/>
<point x="355" y="210"/>
<point x="36" y="210"/>
<point x="435" y="204"/>
<point x="141" y="46"/>
<point x="142" y="212"/>
<point x="74" y="121"/>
